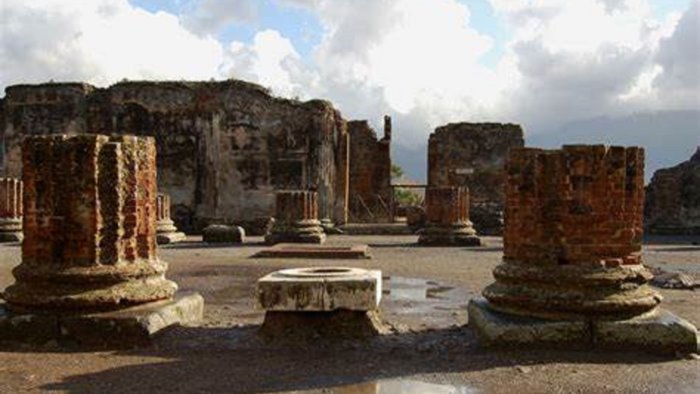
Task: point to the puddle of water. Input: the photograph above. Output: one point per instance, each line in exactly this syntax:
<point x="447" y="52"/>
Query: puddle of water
<point x="425" y="299"/>
<point x="397" y="386"/>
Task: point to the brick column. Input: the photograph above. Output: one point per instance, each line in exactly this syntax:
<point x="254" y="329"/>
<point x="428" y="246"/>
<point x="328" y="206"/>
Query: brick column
<point x="89" y="224"/>
<point x="296" y="218"/>
<point x="573" y="233"/>
<point x="447" y="218"/>
<point x="166" y="232"/>
<point x="10" y="210"/>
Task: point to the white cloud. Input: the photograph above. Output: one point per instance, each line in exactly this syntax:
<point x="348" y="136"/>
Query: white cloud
<point x="212" y="16"/>
<point x="100" y="41"/>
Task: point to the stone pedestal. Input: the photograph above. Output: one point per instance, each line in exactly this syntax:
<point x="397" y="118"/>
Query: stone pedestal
<point x="223" y="234"/>
<point x="326" y="301"/>
<point x="89" y="225"/>
<point x="572" y="253"/>
<point x="447" y="218"/>
<point x="166" y="232"/>
<point x="296" y="218"/>
<point x="10" y="210"/>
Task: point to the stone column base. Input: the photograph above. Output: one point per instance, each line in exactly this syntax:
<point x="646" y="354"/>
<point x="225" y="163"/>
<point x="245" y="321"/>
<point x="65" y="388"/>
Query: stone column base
<point x="658" y="331"/>
<point x="312" y="325"/>
<point x="456" y="235"/>
<point x="11" y="230"/>
<point x="307" y="231"/>
<point x="125" y="328"/>
<point x="170" y="238"/>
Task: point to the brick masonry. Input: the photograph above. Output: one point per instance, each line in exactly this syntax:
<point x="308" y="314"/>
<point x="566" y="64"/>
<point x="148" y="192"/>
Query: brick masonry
<point x="573" y="232"/>
<point x="89" y="224"/>
<point x="447" y="218"/>
<point x="296" y="218"/>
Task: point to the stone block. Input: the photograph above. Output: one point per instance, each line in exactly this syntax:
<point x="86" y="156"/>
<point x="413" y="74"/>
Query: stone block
<point x="315" y="252"/>
<point x="320" y="289"/>
<point x="505" y="330"/>
<point x="124" y="328"/>
<point x="219" y="233"/>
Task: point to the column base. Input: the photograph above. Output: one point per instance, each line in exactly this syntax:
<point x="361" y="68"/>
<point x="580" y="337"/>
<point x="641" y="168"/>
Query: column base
<point x="448" y="236"/>
<point x="659" y="331"/>
<point x="125" y="328"/>
<point x="11" y="236"/>
<point x="306" y="231"/>
<point x="170" y="238"/>
<point x="11" y="230"/>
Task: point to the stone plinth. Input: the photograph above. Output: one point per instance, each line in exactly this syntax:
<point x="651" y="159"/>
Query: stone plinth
<point x="223" y="234"/>
<point x="90" y="228"/>
<point x="315" y="252"/>
<point x="572" y="249"/>
<point x="335" y="301"/>
<point x="447" y="218"/>
<point x="166" y="232"/>
<point x="10" y="210"/>
<point x="296" y="218"/>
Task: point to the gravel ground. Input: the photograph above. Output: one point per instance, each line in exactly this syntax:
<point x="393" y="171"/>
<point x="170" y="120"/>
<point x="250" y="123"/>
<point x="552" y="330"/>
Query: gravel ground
<point x="432" y="351"/>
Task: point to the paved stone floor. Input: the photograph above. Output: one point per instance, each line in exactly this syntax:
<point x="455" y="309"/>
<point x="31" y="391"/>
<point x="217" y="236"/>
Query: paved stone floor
<point x="426" y="293"/>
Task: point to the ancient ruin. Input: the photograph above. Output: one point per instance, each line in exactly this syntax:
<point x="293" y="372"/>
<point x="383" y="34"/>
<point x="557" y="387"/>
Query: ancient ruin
<point x="166" y="232"/>
<point x="473" y="155"/>
<point x="90" y="244"/>
<point x="223" y="234"/>
<point x="672" y="205"/>
<point x="447" y="218"/>
<point x="10" y="210"/>
<point x="370" y="173"/>
<point x="296" y="218"/>
<point x="224" y="147"/>
<point x="572" y="256"/>
<point x="328" y="301"/>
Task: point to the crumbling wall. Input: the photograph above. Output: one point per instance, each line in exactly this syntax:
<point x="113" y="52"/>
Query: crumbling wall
<point x="370" y="172"/>
<point x="672" y="204"/>
<point x="223" y="147"/>
<point x="474" y="155"/>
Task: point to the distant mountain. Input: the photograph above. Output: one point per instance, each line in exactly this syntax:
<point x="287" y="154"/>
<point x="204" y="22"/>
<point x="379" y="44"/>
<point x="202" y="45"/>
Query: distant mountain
<point x="669" y="137"/>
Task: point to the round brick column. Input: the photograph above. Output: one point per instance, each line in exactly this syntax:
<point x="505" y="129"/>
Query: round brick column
<point x="573" y="232"/>
<point x="10" y="210"/>
<point x="296" y="218"/>
<point x="166" y="232"/>
<point x="89" y="224"/>
<point x="447" y="218"/>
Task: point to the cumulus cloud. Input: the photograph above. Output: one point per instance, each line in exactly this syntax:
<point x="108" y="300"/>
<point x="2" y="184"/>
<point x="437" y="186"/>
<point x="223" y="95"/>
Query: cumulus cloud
<point x="99" y="41"/>
<point x="209" y="17"/>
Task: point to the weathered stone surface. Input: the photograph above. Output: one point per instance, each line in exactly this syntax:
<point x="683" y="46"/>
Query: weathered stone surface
<point x="219" y="233"/>
<point x="315" y="252"/>
<point x="370" y="172"/>
<point x="296" y="218"/>
<point x="672" y="205"/>
<point x="447" y="218"/>
<point x="166" y="232"/>
<point x="501" y="329"/>
<point x="473" y="155"/>
<point x="658" y="331"/>
<point x="224" y="147"/>
<point x="320" y="289"/>
<point x="674" y="280"/>
<point x="10" y="210"/>
<point x="132" y="326"/>
<point x="89" y="225"/>
<point x="295" y="326"/>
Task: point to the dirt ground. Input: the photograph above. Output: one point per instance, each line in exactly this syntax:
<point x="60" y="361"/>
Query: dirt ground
<point x="427" y="290"/>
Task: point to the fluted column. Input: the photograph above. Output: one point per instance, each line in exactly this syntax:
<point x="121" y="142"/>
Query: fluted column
<point x="89" y="223"/>
<point x="165" y="227"/>
<point x="447" y="218"/>
<point x="296" y="218"/>
<point x="10" y="210"/>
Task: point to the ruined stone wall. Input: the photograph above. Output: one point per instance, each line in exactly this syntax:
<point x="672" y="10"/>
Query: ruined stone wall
<point x="672" y="205"/>
<point x="370" y="172"/>
<point x="223" y="147"/>
<point x="474" y="155"/>
<point x="578" y="205"/>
